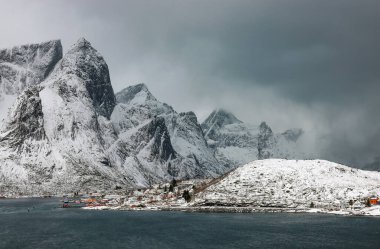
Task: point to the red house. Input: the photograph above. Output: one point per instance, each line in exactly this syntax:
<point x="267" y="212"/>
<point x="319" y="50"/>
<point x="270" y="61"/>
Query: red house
<point x="373" y="200"/>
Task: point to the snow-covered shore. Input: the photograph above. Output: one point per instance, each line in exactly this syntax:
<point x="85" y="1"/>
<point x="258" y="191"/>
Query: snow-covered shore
<point x="271" y="185"/>
<point x="367" y="211"/>
<point x="276" y="185"/>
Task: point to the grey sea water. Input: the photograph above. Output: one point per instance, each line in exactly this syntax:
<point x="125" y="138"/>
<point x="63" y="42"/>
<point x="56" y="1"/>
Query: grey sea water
<point x="47" y="226"/>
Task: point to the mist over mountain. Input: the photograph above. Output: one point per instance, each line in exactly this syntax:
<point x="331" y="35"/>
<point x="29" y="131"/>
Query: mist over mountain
<point x="309" y="64"/>
<point x="237" y="143"/>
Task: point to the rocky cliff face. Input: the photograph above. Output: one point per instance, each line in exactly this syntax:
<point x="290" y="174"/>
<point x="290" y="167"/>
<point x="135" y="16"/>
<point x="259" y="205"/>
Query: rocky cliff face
<point x="84" y="62"/>
<point x="26" y="121"/>
<point x="265" y="141"/>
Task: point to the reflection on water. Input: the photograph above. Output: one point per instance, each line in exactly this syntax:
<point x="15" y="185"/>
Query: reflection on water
<point x="40" y="223"/>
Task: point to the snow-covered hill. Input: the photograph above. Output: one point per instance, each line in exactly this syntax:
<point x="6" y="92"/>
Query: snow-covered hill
<point x="292" y="184"/>
<point x="236" y="143"/>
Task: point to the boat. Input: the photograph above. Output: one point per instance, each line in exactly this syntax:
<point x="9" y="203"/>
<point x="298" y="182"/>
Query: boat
<point x="72" y="203"/>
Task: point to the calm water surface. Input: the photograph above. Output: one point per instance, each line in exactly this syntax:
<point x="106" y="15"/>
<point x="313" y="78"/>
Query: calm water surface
<point x="46" y="226"/>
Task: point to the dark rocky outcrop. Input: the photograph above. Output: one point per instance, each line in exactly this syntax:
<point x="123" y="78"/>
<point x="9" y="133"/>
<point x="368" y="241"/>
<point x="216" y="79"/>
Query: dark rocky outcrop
<point x="265" y="141"/>
<point x="86" y="63"/>
<point x="25" y="122"/>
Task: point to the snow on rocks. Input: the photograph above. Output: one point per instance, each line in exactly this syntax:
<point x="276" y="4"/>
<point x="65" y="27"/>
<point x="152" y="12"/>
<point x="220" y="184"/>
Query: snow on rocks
<point x="24" y="66"/>
<point x="27" y="65"/>
<point x="190" y="157"/>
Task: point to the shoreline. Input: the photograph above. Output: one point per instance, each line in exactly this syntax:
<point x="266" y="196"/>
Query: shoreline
<point x="191" y="209"/>
<point x="373" y="211"/>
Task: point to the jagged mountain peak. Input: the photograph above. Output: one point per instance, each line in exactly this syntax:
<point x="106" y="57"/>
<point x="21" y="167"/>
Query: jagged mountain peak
<point x="82" y="51"/>
<point x="219" y="118"/>
<point x="81" y="45"/>
<point x="86" y="64"/>
<point x="135" y="94"/>
<point x="178" y="136"/>
<point x="135" y="105"/>
<point x="82" y="42"/>
<point x="226" y="117"/>
<point x="264" y="128"/>
<point x="189" y="115"/>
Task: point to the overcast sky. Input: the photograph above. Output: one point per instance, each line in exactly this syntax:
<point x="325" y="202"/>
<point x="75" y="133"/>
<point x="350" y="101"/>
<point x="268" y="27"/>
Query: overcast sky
<point x="313" y="64"/>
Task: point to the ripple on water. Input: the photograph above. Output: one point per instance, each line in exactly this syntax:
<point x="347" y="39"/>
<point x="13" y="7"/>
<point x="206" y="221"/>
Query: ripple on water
<point x="46" y="226"/>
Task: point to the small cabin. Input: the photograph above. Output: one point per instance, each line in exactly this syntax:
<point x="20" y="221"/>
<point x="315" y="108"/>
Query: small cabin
<point x="373" y="200"/>
<point x="92" y="199"/>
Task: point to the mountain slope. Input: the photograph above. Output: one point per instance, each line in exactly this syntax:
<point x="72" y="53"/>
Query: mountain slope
<point x="234" y="142"/>
<point x="137" y="106"/>
<point x="24" y="66"/>
<point x="291" y="184"/>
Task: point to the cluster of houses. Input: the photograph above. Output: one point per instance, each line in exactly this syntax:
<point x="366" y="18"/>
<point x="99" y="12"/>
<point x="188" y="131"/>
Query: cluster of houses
<point x="174" y="194"/>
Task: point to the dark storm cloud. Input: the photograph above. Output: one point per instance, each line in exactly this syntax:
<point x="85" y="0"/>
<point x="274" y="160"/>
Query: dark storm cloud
<point x="307" y="63"/>
<point x="311" y="50"/>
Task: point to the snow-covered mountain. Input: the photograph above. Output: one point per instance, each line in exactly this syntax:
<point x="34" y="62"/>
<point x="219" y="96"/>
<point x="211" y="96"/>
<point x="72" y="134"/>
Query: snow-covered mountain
<point x="56" y="134"/>
<point x="67" y="131"/>
<point x="291" y="184"/>
<point x="236" y="143"/>
<point x="187" y="153"/>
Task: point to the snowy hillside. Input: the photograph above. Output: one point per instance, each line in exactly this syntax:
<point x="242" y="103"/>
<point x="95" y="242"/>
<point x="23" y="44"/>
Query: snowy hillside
<point x="236" y="143"/>
<point x="292" y="184"/>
